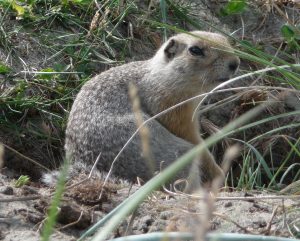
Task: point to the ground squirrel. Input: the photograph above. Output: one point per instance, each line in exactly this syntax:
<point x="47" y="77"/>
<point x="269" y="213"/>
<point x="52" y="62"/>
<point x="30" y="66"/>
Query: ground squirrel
<point x="101" y="119"/>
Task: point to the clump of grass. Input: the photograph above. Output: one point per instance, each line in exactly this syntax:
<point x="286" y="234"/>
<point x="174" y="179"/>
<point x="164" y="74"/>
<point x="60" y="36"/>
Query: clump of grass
<point x="35" y="102"/>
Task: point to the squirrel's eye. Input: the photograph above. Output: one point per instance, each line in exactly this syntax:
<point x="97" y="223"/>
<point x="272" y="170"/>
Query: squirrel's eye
<point x="196" y="51"/>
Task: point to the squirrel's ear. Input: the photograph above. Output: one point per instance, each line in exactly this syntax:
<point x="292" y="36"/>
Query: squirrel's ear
<point x="171" y="48"/>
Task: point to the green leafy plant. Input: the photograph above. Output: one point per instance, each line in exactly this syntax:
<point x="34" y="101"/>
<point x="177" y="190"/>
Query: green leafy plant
<point x="4" y="69"/>
<point x="292" y="35"/>
<point x="233" y="7"/>
<point x="22" y="180"/>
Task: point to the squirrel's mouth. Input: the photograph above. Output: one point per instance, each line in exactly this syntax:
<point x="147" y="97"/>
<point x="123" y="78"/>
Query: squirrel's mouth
<point x="222" y="79"/>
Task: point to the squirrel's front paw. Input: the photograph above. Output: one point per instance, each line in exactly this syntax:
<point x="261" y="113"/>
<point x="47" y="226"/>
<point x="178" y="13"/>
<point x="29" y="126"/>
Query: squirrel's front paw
<point x="212" y="173"/>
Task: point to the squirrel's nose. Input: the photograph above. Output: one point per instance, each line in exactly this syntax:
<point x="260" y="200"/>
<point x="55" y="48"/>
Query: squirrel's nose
<point x="233" y="65"/>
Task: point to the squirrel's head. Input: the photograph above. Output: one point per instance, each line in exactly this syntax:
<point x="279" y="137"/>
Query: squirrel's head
<point x="197" y="60"/>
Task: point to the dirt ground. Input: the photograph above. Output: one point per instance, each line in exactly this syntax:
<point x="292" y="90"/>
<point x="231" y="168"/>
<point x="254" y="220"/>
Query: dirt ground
<point x="23" y="210"/>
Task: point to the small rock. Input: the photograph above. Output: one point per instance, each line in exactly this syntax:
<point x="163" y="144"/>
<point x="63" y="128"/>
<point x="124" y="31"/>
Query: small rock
<point x="96" y="216"/>
<point x="259" y="224"/>
<point x="228" y="204"/>
<point x="148" y="220"/>
<point x="34" y="218"/>
<point x="166" y="215"/>
<point x="183" y="222"/>
<point x="260" y="207"/>
<point x="252" y="209"/>
<point x="7" y="190"/>
<point x="158" y="226"/>
<point x="107" y="207"/>
<point x="70" y="212"/>
<point x="27" y="190"/>
<point x="123" y="229"/>
<point x="215" y="224"/>
<point x="144" y="223"/>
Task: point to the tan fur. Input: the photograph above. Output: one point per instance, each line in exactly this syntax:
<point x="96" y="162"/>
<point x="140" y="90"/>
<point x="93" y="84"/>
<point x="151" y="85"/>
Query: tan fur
<point x="180" y="123"/>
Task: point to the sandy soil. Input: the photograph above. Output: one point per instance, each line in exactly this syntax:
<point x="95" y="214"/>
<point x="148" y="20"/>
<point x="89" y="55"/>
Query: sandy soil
<point x="22" y="211"/>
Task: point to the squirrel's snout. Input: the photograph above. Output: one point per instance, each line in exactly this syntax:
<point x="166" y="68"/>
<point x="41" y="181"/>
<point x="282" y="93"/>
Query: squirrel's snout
<point x="233" y="65"/>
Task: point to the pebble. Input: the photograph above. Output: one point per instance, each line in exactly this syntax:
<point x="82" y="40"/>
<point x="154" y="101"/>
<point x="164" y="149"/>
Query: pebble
<point x="7" y="190"/>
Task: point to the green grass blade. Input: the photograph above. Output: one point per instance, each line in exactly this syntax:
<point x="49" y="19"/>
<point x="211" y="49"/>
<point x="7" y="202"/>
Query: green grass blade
<point x="290" y="168"/>
<point x="173" y="236"/>
<point x="163" y="9"/>
<point x="283" y="164"/>
<point x="53" y="210"/>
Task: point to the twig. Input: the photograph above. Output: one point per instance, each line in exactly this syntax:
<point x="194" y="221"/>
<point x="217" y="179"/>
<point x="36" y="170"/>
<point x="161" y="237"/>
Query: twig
<point x="279" y="197"/>
<point x="284" y="16"/>
<point x="268" y="228"/>
<point x="226" y="218"/>
<point x="1" y="155"/>
<point x="49" y="73"/>
<point x="129" y="226"/>
<point x="27" y="158"/>
<point x="285" y="224"/>
<point x="19" y="199"/>
<point x="87" y="178"/>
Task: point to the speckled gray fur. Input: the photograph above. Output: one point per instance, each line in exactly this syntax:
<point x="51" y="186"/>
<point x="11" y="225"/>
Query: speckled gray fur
<point x="101" y="121"/>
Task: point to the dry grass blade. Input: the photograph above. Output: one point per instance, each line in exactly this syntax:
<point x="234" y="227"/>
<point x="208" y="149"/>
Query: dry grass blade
<point x="27" y="158"/>
<point x="143" y="130"/>
<point x="1" y="155"/>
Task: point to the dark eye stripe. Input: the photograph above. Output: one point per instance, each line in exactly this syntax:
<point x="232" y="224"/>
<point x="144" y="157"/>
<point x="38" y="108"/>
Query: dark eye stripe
<point x="196" y="51"/>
